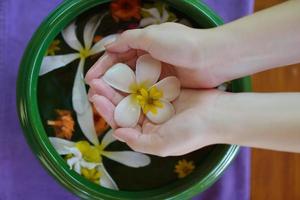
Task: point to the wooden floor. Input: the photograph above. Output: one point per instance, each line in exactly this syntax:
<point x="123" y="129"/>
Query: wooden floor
<point x="275" y="175"/>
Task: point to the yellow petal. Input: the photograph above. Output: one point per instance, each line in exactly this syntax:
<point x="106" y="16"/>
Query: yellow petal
<point x="153" y="109"/>
<point x="158" y="104"/>
<point x="144" y="92"/>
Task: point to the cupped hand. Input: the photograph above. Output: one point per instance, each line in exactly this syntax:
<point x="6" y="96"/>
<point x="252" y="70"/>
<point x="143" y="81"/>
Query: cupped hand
<point x="191" y="128"/>
<point x="177" y="47"/>
<point x="181" y="48"/>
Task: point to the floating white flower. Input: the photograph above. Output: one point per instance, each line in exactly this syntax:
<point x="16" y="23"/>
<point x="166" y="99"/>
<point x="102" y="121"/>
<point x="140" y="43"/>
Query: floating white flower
<point x="80" y="100"/>
<point x="156" y="15"/>
<point x="144" y="93"/>
<point x="86" y="159"/>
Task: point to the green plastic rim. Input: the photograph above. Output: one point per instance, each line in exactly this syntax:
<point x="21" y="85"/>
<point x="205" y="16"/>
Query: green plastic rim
<point x="37" y="138"/>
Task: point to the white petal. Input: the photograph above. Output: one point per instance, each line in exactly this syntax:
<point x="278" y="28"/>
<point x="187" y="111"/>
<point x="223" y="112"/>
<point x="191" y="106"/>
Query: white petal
<point x="148" y="70"/>
<point x="128" y="158"/>
<point x="165" y="15"/>
<point x="100" y="45"/>
<point x="90" y="29"/>
<point x="147" y="21"/>
<point x="75" y="151"/>
<point x="51" y="63"/>
<point x="70" y="37"/>
<point x="106" y="180"/>
<point x="89" y="165"/>
<point x="163" y="114"/>
<point x="154" y="12"/>
<point x="107" y="139"/>
<point x="79" y="94"/>
<point x="86" y="123"/>
<point x="170" y="86"/>
<point x="61" y="145"/>
<point x="120" y="77"/>
<point x="77" y="167"/>
<point x="72" y="161"/>
<point x="185" y="22"/>
<point x="83" y="107"/>
<point x="223" y="87"/>
<point x="127" y="112"/>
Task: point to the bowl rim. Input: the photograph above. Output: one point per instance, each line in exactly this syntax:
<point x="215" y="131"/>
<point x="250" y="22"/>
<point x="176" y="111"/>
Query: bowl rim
<point x="35" y="134"/>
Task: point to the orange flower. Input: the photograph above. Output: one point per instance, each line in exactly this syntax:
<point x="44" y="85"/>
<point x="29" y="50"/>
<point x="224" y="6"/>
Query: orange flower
<point x="97" y="38"/>
<point x="100" y="124"/>
<point x="64" y="125"/>
<point x="184" y="168"/>
<point x="125" y="9"/>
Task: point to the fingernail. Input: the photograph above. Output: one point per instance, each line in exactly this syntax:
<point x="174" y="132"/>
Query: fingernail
<point x="93" y="98"/>
<point x="111" y="40"/>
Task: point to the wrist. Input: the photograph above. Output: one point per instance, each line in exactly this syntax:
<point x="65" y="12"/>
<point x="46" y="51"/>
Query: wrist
<point x="222" y="120"/>
<point x="208" y="120"/>
<point x="217" y="54"/>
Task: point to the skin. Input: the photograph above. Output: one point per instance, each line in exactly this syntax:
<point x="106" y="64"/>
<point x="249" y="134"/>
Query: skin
<point x="203" y="59"/>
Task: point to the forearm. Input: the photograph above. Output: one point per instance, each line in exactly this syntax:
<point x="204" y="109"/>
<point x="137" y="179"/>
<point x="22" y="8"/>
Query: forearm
<point x="270" y="121"/>
<point x="255" y="43"/>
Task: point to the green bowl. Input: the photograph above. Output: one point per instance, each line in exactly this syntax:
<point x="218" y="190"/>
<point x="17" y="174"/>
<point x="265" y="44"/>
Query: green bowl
<point x="34" y="101"/>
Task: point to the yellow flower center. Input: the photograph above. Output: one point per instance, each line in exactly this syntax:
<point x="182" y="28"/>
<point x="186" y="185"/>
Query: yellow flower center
<point x="53" y="48"/>
<point x="84" y="53"/>
<point x="90" y="153"/>
<point x="148" y="99"/>
<point x="91" y="174"/>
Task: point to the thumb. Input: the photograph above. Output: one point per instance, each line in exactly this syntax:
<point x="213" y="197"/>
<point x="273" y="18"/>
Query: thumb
<point x="130" y="39"/>
<point x="150" y="143"/>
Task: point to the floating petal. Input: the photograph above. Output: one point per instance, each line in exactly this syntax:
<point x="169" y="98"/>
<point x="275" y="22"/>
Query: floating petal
<point x="106" y="180"/>
<point x="51" y="63"/>
<point x="147" y="21"/>
<point x="107" y="139"/>
<point x="128" y="158"/>
<point x="77" y="167"/>
<point x="100" y="46"/>
<point x="165" y="15"/>
<point x="70" y="37"/>
<point x="154" y="12"/>
<point x="88" y="165"/>
<point x="61" y="146"/>
<point x="72" y="161"/>
<point x="90" y="29"/>
<point x="82" y="106"/>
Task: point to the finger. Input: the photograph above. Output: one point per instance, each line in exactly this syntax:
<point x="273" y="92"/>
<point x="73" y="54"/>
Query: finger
<point x="142" y="119"/>
<point x="100" y="67"/>
<point x="141" y="52"/>
<point x="91" y="93"/>
<point x="144" y="143"/>
<point x="123" y="57"/>
<point x="132" y="63"/>
<point x="130" y="39"/>
<point x="98" y="86"/>
<point x="106" y="61"/>
<point x="105" y="108"/>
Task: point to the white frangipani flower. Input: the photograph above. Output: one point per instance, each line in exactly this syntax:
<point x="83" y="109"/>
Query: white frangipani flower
<point x="80" y="100"/>
<point x="156" y="17"/>
<point x="86" y="156"/>
<point x="144" y="93"/>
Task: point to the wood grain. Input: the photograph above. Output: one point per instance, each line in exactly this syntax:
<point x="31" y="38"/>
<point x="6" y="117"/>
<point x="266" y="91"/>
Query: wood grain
<point x="275" y="175"/>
